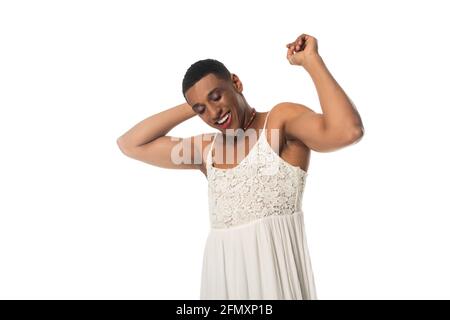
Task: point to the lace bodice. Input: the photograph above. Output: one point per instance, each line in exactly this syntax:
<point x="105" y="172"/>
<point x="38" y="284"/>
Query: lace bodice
<point x="261" y="185"/>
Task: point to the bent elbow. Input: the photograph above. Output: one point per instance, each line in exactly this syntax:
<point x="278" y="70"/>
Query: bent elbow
<point x="122" y="146"/>
<point x="355" y="135"/>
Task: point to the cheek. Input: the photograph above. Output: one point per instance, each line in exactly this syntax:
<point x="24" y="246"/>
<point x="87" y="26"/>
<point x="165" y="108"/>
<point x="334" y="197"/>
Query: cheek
<point x="204" y="118"/>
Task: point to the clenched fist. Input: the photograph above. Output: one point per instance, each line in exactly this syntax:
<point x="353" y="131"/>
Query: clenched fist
<point x="302" y="50"/>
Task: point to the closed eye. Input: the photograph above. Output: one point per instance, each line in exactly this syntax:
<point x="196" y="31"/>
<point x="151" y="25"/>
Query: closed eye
<point x="196" y="109"/>
<point x="217" y="98"/>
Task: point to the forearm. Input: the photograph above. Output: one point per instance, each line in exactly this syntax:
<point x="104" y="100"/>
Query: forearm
<point x="156" y="126"/>
<point x="338" y="110"/>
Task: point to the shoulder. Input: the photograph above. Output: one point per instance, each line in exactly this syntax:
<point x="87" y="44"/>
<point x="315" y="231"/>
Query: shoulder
<point x="285" y="112"/>
<point x="294" y="119"/>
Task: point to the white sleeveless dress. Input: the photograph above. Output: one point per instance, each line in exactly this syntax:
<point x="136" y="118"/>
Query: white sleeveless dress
<point x="256" y="247"/>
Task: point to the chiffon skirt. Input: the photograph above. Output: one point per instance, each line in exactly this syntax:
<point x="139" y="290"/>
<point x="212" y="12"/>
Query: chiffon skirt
<point x="267" y="258"/>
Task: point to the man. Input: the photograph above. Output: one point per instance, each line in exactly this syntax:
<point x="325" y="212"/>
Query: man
<point x="257" y="245"/>
<point x="302" y="129"/>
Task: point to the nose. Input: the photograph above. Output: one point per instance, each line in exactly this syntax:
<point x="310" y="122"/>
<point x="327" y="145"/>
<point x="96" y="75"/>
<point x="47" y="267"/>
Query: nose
<point x="217" y="115"/>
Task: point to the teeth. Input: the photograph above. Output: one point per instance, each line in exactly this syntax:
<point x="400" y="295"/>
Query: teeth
<point x="221" y="121"/>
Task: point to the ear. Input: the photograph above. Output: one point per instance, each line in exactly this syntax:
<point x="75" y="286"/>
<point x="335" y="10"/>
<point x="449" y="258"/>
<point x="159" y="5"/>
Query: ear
<point x="237" y="84"/>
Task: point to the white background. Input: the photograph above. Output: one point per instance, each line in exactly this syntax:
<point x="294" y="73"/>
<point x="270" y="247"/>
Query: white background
<point x="79" y="220"/>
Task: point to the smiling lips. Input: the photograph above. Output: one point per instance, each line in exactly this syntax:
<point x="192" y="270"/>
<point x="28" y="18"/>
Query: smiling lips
<point x="226" y="123"/>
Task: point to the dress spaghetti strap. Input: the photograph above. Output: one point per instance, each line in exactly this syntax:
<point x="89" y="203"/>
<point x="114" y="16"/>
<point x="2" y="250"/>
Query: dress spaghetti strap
<point x="209" y="157"/>
<point x="265" y="123"/>
<point x="267" y="117"/>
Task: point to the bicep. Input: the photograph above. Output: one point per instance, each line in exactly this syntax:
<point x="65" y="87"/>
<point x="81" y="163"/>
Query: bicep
<point x="170" y="152"/>
<point x="307" y="126"/>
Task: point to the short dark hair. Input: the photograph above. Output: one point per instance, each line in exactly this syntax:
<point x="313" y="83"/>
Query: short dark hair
<point x="202" y="68"/>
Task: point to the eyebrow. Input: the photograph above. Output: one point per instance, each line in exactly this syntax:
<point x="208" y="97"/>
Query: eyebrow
<point x="209" y="96"/>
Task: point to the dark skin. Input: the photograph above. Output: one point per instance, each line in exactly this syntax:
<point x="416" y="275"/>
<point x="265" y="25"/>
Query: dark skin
<point x="229" y="97"/>
<point x="300" y="128"/>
